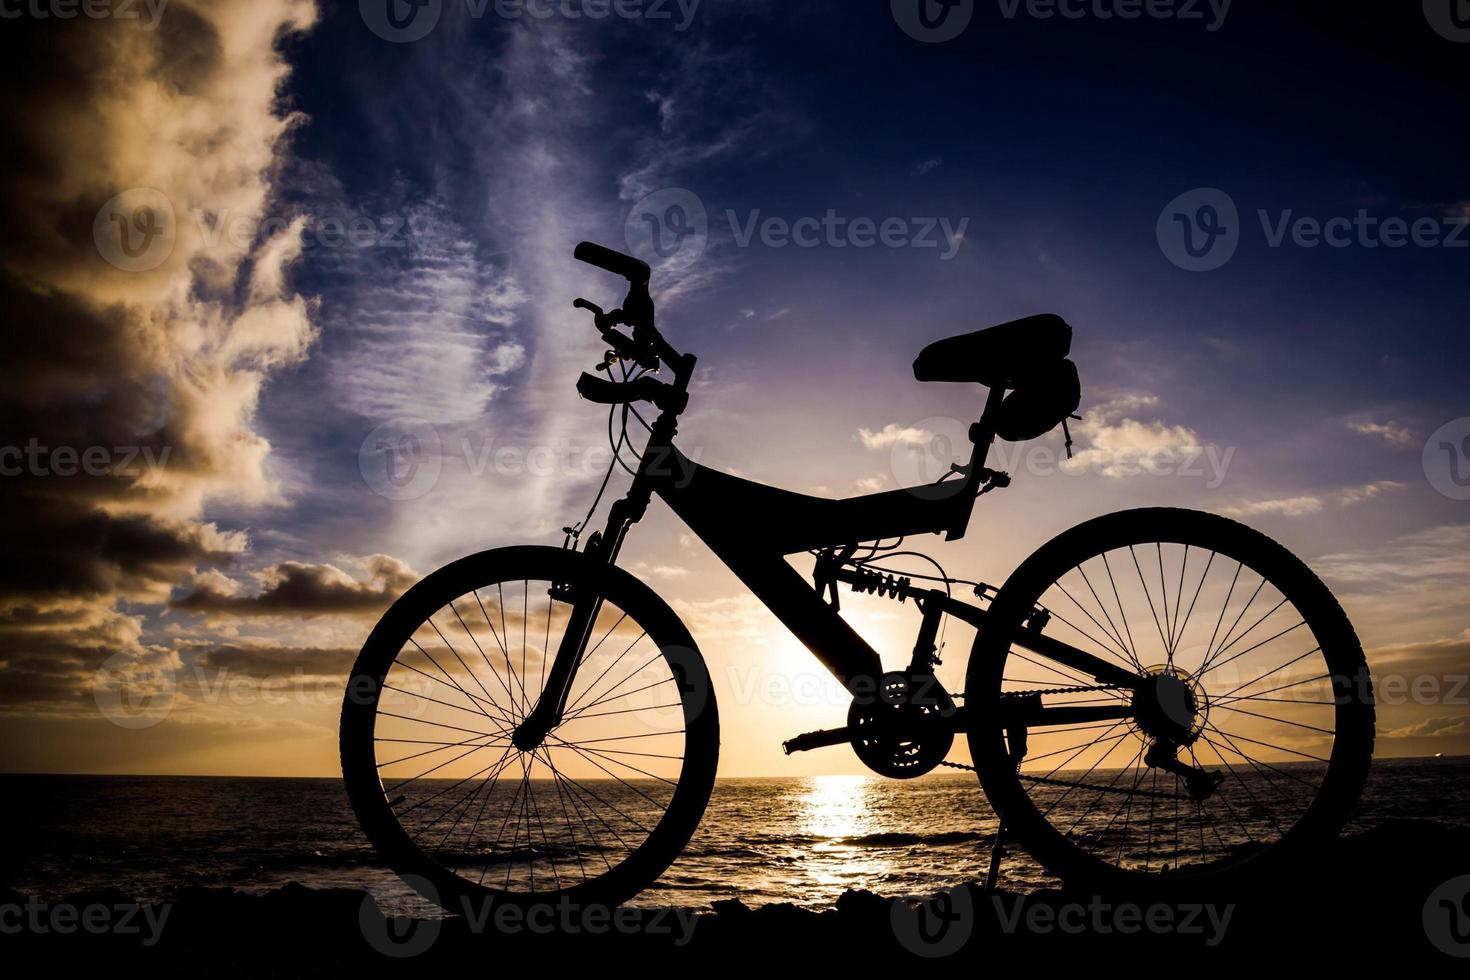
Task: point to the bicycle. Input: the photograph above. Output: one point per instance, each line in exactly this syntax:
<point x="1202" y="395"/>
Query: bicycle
<point x="498" y="741"/>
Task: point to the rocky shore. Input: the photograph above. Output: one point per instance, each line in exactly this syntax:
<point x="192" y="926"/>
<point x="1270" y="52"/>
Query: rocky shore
<point x="1389" y="895"/>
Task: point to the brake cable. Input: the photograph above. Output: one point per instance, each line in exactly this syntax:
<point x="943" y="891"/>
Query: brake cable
<point x="574" y="532"/>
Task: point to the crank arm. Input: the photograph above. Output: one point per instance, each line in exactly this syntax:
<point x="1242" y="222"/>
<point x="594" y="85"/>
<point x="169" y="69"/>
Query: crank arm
<point x="956" y="722"/>
<point x="817" y="740"/>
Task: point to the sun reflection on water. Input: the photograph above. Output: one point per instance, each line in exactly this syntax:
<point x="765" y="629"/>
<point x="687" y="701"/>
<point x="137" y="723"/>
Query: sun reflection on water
<point x="837" y="806"/>
<point x="837" y="812"/>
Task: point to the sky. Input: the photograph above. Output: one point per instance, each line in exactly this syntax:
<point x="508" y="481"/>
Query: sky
<point x="364" y="234"/>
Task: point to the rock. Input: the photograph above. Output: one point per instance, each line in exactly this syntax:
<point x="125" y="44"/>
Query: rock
<point x="1371" y="887"/>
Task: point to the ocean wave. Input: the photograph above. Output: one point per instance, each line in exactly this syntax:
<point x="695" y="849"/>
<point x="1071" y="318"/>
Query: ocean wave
<point x="947" y="838"/>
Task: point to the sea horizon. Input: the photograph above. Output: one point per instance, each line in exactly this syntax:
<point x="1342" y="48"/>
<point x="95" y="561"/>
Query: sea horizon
<point x="764" y="840"/>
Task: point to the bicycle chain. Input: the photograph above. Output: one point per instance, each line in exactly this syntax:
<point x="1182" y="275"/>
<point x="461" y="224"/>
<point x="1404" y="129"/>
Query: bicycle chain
<point x="1045" y="781"/>
<point x="1080" y="689"/>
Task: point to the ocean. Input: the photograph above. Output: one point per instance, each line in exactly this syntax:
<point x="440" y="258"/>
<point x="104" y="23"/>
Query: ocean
<point x="803" y="840"/>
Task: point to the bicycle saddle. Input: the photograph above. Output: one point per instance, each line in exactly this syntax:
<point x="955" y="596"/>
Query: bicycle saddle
<point x="1027" y="355"/>
<point x="997" y="357"/>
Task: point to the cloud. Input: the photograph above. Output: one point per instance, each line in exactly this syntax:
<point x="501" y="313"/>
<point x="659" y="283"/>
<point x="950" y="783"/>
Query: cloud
<point x="1437" y="554"/>
<point x="1302" y="505"/>
<point x="1356" y="495"/>
<point x="300" y="588"/>
<point x="693" y="79"/>
<point x="266" y="661"/>
<point x="1409" y="588"/>
<point x="137" y="339"/>
<point x="733" y="618"/>
<point x="645" y="570"/>
<point x="1120" y="406"/>
<point x="427" y="330"/>
<point x="1446" y="655"/>
<point x="1116" y="444"/>
<point x="56" y="551"/>
<point x="1389" y="433"/>
<point x="892" y="435"/>
<point x="51" y="654"/>
<point x="1444" y="727"/>
<point x="1285" y="506"/>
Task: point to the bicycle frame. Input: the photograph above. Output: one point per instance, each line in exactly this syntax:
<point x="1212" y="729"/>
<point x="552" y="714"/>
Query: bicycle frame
<point x="753" y="527"/>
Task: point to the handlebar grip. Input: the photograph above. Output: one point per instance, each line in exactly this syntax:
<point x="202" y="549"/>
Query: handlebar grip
<point x="634" y="270"/>
<point x="604" y="392"/>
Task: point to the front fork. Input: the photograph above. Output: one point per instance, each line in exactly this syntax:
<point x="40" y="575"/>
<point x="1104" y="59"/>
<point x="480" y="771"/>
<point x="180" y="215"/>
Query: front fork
<point x="585" y="594"/>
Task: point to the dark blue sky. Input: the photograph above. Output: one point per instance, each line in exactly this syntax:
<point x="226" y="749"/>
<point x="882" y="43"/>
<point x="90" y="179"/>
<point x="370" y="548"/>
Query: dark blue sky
<point x="1059" y="140"/>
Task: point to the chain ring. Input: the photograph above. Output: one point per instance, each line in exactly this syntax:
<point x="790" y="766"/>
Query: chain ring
<point x="885" y="738"/>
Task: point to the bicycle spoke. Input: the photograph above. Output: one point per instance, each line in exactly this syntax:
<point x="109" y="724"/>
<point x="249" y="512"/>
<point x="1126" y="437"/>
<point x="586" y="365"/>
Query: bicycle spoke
<point x="504" y="651"/>
<point x="476" y="642"/>
<point x="1225" y="641"/>
<point x="1149" y="596"/>
<point x="1121" y="614"/>
<point x="452" y="682"/>
<point x="1179" y="637"/>
<point x="1103" y="646"/>
<point x="1274" y="670"/>
<point x="549" y="817"/>
<point x="1132" y="657"/>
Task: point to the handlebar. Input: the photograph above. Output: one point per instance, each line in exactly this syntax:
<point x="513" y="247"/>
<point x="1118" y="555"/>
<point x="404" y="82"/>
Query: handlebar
<point x="634" y="270"/>
<point x="665" y="396"/>
<point x="646" y="346"/>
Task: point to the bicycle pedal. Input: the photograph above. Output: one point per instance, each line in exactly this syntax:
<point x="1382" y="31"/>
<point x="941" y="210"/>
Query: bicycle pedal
<point x="817" y="740"/>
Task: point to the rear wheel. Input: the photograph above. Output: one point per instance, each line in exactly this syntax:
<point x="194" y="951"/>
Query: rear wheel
<point x="592" y="815"/>
<point x="1250" y="676"/>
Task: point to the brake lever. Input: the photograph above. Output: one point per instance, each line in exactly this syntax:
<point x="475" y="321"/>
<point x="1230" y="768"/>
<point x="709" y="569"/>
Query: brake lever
<point x="624" y="346"/>
<point x="598" y="316"/>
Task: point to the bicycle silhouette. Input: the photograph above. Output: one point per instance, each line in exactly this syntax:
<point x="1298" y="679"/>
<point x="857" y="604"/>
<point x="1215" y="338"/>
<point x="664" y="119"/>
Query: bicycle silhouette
<point x="1155" y="698"/>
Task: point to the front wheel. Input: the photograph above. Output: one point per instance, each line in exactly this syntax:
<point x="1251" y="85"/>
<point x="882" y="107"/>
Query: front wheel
<point x="1245" y="741"/>
<point x="592" y="815"/>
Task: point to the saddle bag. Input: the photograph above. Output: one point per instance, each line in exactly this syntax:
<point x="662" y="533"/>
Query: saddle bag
<point x="1042" y="400"/>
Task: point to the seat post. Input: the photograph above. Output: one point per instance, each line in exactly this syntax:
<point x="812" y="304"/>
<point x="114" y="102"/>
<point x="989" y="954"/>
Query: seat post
<point x="982" y="435"/>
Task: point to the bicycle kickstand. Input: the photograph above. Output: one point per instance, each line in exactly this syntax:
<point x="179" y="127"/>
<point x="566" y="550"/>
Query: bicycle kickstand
<point x="997" y="852"/>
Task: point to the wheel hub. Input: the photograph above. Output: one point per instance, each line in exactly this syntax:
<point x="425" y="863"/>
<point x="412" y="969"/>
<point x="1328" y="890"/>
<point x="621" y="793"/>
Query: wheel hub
<point x="1170" y="706"/>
